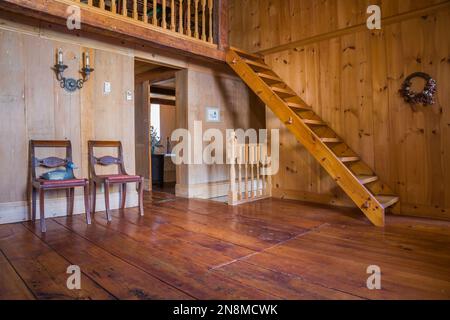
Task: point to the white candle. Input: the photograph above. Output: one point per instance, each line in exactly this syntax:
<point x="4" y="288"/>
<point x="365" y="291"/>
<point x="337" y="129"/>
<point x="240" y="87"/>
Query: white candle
<point x="60" y="56"/>
<point x="87" y="59"/>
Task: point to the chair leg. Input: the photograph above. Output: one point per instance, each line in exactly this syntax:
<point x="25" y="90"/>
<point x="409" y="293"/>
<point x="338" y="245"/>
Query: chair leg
<point x="94" y="195"/>
<point x="108" y="214"/>
<point x="141" y="197"/>
<point x="33" y="204"/>
<point x="86" y="204"/>
<point x="70" y="200"/>
<point x="123" y="195"/>
<point x="41" y="210"/>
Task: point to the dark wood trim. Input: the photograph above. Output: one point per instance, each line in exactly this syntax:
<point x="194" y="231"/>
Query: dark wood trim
<point x="163" y="102"/>
<point x="156" y="75"/>
<point x="163" y="91"/>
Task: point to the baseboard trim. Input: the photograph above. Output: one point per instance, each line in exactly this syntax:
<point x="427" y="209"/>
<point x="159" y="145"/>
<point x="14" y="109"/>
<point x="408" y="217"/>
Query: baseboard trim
<point x="405" y="209"/>
<point x="11" y="212"/>
<point x="202" y="190"/>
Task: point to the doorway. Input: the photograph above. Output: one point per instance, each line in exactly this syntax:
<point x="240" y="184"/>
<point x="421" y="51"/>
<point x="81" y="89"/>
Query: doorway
<point x="155" y="120"/>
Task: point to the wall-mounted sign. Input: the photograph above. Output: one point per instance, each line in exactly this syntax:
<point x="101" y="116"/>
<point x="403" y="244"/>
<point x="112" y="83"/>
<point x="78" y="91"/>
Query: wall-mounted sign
<point x="212" y="114"/>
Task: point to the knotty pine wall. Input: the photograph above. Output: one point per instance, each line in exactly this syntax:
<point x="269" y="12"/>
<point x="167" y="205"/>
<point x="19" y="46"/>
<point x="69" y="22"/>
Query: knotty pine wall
<point x="351" y="77"/>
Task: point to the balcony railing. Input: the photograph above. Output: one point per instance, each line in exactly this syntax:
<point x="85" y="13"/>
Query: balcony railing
<point x="193" y="19"/>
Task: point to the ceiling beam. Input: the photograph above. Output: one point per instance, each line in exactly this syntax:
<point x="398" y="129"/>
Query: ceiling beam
<point x="156" y="75"/>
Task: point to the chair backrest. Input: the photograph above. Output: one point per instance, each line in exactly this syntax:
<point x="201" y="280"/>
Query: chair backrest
<point x="49" y="162"/>
<point x="105" y="160"/>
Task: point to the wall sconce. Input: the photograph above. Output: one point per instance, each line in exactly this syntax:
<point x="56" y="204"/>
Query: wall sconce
<point x="71" y="84"/>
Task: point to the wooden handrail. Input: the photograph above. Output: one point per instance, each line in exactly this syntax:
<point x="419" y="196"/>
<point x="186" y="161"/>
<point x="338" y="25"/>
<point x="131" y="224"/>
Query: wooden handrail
<point x="204" y="15"/>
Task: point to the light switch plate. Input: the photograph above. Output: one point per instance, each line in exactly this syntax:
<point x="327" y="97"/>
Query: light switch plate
<point x="107" y="87"/>
<point x="129" y="95"/>
<point x="212" y="114"/>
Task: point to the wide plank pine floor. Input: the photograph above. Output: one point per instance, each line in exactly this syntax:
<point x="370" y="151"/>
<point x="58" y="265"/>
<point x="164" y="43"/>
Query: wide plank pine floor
<point x="195" y="249"/>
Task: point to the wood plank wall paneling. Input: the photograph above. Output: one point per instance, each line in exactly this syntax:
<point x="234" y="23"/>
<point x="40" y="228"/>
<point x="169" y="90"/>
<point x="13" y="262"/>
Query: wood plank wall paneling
<point x="239" y="108"/>
<point x="33" y="106"/>
<point x="352" y="81"/>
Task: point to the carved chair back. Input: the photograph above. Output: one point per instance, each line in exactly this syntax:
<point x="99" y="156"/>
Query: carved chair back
<point x="48" y="162"/>
<point x="107" y="160"/>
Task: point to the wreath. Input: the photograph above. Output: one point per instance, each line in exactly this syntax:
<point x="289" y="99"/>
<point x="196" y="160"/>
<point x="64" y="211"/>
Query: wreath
<point x="426" y="97"/>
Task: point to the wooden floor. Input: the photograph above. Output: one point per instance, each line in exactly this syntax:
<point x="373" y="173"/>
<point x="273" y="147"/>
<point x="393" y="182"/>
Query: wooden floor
<point x="195" y="249"/>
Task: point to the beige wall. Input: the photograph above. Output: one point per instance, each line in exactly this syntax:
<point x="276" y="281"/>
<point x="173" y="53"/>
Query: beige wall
<point x="352" y="79"/>
<point x="33" y="106"/>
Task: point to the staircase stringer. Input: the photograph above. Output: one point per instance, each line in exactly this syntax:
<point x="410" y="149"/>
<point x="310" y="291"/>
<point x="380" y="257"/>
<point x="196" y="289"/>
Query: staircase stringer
<point x="365" y="201"/>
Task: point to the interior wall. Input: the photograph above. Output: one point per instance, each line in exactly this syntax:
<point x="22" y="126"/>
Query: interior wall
<point x="351" y="79"/>
<point x="142" y="129"/>
<point x="239" y="108"/>
<point x="34" y="106"/>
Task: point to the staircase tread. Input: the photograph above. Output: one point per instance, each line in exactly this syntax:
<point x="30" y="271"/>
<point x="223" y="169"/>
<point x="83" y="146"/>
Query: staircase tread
<point x="330" y="140"/>
<point x="312" y="121"/>
<point x="257" y="64"/>
<point x="349" y="159"/>
<point x="283" y="90"/>
<point x="298" y="106"/>
<point x="387" y="201"/>
<point x="248" y="54"/>
<point x="364" y="179"/>
<point x="269" y="77"/>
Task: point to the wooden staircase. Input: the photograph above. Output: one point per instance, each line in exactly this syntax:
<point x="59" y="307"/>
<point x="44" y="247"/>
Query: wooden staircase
<point x="356" y="178"/>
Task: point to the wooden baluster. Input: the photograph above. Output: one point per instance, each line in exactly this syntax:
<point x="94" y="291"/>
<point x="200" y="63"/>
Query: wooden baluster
<point x="188" y="13"/>
<point x="113" y="6"/>
<point x="269" y="177"/>
<point x="172" y="15"/>
<point x="246" y="170"/>
<point x="240" y="156"/>
<point x="258" y="176"/>
<point x="144" y="12"/>
<point x="135" y="10"/>
<point x="204" y="20"/>
<point x="196" y="35"/>
<point x="180" y="18"/>
<point x="155" y="11"/>
<point x="101" y="4"/>
<point x="164" y="22"/>
<point x="232" y="196"/>
<point x="124" y="8"/>
<point x="89" y="2"/>
<point x="250" y="157"/>
<point x="210" y="7"/>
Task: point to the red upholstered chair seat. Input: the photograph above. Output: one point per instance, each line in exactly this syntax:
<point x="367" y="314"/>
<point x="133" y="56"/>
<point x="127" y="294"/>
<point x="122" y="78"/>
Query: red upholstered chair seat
<point x="62" y="183"/>
<point x="119" y="178"/>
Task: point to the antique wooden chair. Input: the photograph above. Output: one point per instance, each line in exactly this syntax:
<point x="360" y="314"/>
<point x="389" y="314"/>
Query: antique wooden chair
<point x="39" y="185"/>
<point x="122" y="177"/>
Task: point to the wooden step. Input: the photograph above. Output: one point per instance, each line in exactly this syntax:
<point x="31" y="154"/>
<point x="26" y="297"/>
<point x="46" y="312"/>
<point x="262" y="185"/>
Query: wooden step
<point x="283" y="91"/>
<point x="387" y="201"/>
<point x="299" y="106"/>
<point x="269" y="77"/>
<point x="257" y="64"/>
<point x="247" y="54"/>
<point x="314" y="122"/>
<point x="366" y="179"/>
<point x="330" y="140"/>
<point x="348" y="159"/>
